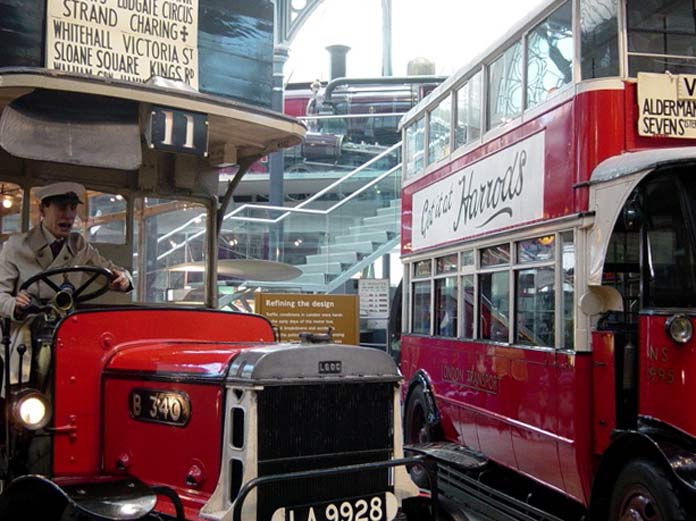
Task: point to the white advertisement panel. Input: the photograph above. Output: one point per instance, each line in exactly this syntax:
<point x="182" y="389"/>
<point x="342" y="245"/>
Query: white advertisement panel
<point x="129" y="40"/>
<point x="504" y="189"/>
<point x="667" y="105"/>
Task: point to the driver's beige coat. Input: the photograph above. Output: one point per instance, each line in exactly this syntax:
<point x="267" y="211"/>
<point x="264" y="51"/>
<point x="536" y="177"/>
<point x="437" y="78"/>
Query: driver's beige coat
<point x="25" y="255"/>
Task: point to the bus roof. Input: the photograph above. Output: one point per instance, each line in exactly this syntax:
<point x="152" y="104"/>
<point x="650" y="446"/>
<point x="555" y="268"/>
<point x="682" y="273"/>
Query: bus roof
<point x="252" y="130"/>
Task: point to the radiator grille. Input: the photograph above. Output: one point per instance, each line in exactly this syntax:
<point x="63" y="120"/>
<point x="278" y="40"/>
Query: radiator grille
<point x="305" y="427"/>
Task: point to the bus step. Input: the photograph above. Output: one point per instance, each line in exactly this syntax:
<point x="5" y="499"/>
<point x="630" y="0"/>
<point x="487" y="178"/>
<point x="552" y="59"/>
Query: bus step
<point x="450" y="453"/>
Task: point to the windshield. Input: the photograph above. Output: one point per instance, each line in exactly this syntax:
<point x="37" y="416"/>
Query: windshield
<point x="653" y="242"/>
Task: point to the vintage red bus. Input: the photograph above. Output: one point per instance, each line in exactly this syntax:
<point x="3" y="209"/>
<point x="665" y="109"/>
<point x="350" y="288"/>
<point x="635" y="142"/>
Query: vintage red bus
<point x="156" y="405"/>
<point x="548" y="236"/>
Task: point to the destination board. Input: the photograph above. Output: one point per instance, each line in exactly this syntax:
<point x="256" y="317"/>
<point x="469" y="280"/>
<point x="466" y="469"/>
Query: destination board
<point x="130" y="40"/>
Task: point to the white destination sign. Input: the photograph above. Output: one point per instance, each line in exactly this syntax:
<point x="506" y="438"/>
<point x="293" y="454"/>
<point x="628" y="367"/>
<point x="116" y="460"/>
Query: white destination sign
<point x="667" y="105"/>
<point x="501" y="190"/>
<point x="131" y="40"/>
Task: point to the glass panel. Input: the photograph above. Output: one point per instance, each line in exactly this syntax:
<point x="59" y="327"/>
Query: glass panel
<point x="664" y="27"/>
<point x="415" y="148"/>
<point x="535" y="307"/>
<point x="568" y="279"/>
<point x="494" y="306"/>
<point x="446" y="307"/>
<point x="505" y="87"/>
<point x="550" y="56"/>
<point x="599" y="38"/>
<point x="468" y="258"/>
<point x="671" y="261"/>
<point x="171" y="251"/>
<point x="468" y="127"/>
<point x="439" y="125"/>
<point x="446" y="264"/>
<point x="468" y="306"/>
<point x="422" y="269"/>
<point x="536" y="250"/>
<point x="11" y="196"/>
<point x="421" y="308"/>
<point x="495" y="256"/>
<point x="106" y="218"/>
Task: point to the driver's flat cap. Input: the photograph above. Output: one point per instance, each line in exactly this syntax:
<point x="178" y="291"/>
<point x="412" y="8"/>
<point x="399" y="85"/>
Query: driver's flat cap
<point x="63" y="190"/>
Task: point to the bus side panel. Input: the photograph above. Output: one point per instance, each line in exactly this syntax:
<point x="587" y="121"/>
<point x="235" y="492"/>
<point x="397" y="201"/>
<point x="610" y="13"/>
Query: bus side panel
<point x="663" y="369"/>
<point x="599" y="124"/>
<point x="603" y="390"/>
<point x="574" y="409"/>
<point x="559" y="149"/>
<point x="531" y="386"/>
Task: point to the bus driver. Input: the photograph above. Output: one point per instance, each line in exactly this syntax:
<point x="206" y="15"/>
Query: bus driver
<point x="50" y="245"/>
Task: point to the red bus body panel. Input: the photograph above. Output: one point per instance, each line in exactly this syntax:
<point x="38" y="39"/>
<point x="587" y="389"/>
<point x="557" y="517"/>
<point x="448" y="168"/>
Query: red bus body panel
<point x="664" y="370"/>
<point x="86" y="341"/>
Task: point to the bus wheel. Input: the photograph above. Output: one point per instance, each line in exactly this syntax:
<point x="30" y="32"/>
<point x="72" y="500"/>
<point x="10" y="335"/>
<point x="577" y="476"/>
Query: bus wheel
<point x="644" y="492"/>
<point x="418" y="431"/>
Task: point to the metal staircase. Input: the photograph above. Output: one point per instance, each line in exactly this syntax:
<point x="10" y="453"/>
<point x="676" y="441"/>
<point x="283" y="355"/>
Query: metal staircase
<point x="331" y="236"/>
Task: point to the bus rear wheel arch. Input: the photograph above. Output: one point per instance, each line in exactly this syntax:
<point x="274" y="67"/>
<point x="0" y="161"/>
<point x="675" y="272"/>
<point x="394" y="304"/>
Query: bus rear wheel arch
<point x="645" y="492"/>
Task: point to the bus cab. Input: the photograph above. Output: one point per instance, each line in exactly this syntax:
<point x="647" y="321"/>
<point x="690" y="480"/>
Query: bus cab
<point x="548" y="191"/>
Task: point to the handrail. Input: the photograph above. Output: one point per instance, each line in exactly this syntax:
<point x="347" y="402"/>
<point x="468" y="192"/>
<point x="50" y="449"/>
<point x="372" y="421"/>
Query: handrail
<point x="288" y="210"/>
<point x="325" y="189"/>
<point x="351" y="116"/>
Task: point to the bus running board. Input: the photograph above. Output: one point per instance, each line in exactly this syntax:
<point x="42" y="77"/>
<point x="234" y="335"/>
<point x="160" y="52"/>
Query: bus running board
<point x="450" y="453"/>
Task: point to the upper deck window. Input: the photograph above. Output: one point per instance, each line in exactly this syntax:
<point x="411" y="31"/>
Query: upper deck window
<point x="439" y="125"/>
<point x="468" y="122"/>
<point x="661" y="36"/>
<point x="415" y="149"/>
<point x="505" y="86"/>
<point x="599" y="38"/>
<point x="550" y="55"/>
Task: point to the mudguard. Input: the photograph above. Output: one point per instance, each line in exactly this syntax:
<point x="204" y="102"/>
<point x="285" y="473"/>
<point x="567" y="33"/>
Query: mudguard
<point x="100" y="499"/>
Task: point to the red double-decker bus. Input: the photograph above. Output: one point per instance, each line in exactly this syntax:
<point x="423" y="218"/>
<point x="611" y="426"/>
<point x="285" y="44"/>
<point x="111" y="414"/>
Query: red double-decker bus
<point x="549" y="242"/>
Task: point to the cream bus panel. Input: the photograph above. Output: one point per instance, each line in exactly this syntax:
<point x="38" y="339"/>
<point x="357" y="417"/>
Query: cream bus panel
<point x="501" y="190"/>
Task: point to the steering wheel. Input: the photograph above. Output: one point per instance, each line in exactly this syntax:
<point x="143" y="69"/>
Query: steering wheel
<point x="77" y="295"/>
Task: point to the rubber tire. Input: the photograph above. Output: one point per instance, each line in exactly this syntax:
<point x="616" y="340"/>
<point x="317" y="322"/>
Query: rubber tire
<point x="418" y="431"/>
<point x="644" y="477"/>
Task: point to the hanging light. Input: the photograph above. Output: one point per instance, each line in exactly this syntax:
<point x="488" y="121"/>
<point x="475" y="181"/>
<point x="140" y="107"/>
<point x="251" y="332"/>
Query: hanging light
<point x="7" y="202"/>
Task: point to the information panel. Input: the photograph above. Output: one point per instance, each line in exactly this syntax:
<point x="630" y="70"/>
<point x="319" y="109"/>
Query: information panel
<point x="301" y="313"/>
<point x="667" y="105"/>
<point x="131" y="40"/>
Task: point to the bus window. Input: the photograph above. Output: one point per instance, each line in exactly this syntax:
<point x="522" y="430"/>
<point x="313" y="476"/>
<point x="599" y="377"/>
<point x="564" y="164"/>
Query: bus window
<point x="568" y="294"/>
<point x="468" y="99"/>
<point x="535" y="293"/>
<point x="468" y="306"/>
<point x="171" y="248"/>
<point x="599" y="48"/>
<point x="550" y="55"/>
<point x="505" y="87"/>
<point x="106" y="218"/>
<point x="421" y="308"/>
<point x="415" y="149"/>
<point x="439" y="130"/>
<point x="661" y="36"/>
<point x="494" y="295"/>
<point x="446" y="306"/>
<point x="671" y="269"/>
<point x="11" y="196"/>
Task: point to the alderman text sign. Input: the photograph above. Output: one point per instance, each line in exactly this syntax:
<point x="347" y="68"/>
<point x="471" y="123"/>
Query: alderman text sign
<point x="504" y="189"/>
<point x="667" y="105"/>
<point x="131" y="40"/>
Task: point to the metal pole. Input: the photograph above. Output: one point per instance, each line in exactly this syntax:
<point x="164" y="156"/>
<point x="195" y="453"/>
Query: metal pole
<point x="386" y="38"/>
<point x="275" y="189"/>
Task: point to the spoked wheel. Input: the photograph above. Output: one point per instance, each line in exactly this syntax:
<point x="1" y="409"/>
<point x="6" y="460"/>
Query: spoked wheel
<point x="644" y="492"/>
